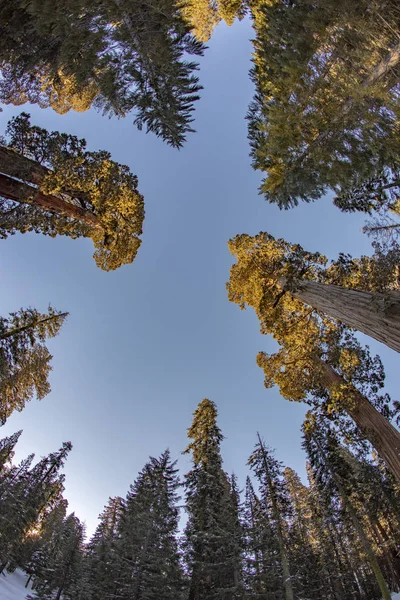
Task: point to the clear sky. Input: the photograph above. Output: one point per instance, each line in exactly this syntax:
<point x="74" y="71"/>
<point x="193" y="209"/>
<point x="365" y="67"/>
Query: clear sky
<point x="144" y="344"/>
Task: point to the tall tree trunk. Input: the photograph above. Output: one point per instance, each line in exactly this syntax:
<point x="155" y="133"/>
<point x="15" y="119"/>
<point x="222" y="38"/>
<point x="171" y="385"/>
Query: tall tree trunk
<point x="372" y="313"/>
<point x="21" y="192"/>
<point x="376" y="428"/>
<point x="386" y="595"/>
<point x="32" y="325"/>
<point x="284" y="559"/>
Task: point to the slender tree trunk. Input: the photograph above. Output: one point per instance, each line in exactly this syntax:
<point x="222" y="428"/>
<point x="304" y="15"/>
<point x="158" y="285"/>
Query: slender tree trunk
<point x="376" y="428"/>
<point x="284" y="559"/>
<point x="386" y="595"/>
<point x="28" y="580"/>
<point x="17" y="330"/>
<point x="21" y="192"/>
<point x="372" y="313"/>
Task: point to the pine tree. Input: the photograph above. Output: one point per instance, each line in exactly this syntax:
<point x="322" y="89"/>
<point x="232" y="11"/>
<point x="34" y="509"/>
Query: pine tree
<point x="334" y="471"/>
<point x="61" y="574"/>
<point x="319" y="359"/>
<point x="148" y="563"/>
<point x="117" y="56"/>
<point x="7" y="446"/>
<point x="326" y="105"/>
<point x="212" y="548"/>
<point x="26" y="495"/>
<point x="24" y="357"/>
<point x="269" y="473"/>
<point x="101" y="560"/>
<point x="51" y="185"/>
<point x="362" y="293"/>
<point x="306" y="566"/>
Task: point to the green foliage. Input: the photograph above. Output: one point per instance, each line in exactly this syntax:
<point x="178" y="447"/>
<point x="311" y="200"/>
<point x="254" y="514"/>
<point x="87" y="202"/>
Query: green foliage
<point x="326" y="105"/>
<point x="212" y="536"/>
<point x="117" y="56"/>
<point x="24" y="357"/>
<point x="99" y="197"/>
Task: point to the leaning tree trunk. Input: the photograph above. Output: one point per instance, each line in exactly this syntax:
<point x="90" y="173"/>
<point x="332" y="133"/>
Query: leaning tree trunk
<point x="14" y="190"/>
<point x="281" y="542"/>
<point x="32" y="325"/>
<point x="375" y="427"/>
<point x="372" y="313"/>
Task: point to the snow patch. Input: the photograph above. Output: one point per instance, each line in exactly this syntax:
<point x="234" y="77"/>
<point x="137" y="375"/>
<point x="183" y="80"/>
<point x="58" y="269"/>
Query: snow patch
<point x="12" y="586"/>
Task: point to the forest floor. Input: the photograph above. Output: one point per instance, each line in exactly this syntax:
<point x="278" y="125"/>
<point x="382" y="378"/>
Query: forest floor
<point x="12" y="587"/>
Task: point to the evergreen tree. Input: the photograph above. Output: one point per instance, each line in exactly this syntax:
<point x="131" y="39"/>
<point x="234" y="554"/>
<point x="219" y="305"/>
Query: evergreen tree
<point x="102" y="560"/>
<point x="51" y="185"/>
<point x="213" y="550"/>
<point x="26" y="495"/>
<point x="24" y="357"/>
<point x="62" y="571"/>
<point x="326" y="106"/>
<point x="117" y="56"/>
<point x="148" y="563"/>
<point x="269" y="473"/>
<point x="362" y="293"/>
<point x="335" y="472"/>
<point x="319" y="360"/>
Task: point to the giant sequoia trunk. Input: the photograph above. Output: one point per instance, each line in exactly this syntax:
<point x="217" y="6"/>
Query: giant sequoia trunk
<point x="372" y="313"/>
<point x="375" y="427"/>
<point x="282" y="550"/>
<point x="14" y="190"/>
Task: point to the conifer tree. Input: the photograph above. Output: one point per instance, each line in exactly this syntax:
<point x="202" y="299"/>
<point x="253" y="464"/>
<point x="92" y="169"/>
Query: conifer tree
<point x="148" y="563"/>
<point x="116" y="56"/>
<point x="319" y="360"/>
<point x="362" y="293"/>
<point x="102" y="560"/>
<point x="26" y="495"/>
<point x="61" y="574"/>
<point x="212" y="548"/>
<point x="334" y="472"/>
<point x="274" y="497"/>
<point x="326" y="106"/>
<point x="50" y="184"/>
<point x="24" y="357"/>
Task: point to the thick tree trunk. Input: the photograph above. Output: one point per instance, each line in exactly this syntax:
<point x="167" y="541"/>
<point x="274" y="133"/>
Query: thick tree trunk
<point x="17" y="330"/>
<point x="25" y="194"/>
<point x="284" y="559"/>
<point x="18" y="166"/>
<point x="376" y="428"/>
<point x="372" y="313"/>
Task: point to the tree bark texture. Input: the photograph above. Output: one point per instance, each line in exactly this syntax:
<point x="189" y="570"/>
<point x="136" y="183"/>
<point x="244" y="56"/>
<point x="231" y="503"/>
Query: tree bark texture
<point x="376" y="428"/>
<point x="21" y="192"/>
<point x="372" y="313"/>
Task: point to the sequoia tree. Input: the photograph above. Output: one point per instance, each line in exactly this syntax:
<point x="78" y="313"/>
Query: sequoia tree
<point x="319" y="358"/>
<point x="326" y="107"/>
<point x="115" y="55"/>
<point x="24" y="357"/>
<point x="363" y="293"/>
<point x="50" y="184"/>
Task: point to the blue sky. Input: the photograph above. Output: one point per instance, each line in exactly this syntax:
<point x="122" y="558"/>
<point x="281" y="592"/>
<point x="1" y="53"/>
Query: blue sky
<point x="143" y="345"/>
